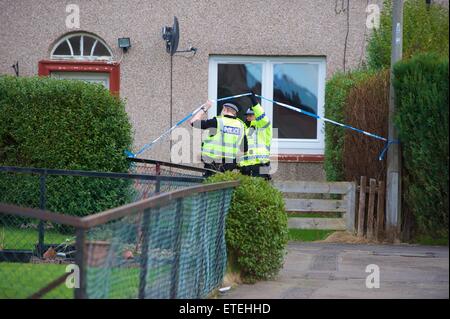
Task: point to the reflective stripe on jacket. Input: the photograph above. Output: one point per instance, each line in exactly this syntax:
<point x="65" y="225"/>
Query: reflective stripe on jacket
<point x="225" y="144"/>
<point x="259" y="138"/>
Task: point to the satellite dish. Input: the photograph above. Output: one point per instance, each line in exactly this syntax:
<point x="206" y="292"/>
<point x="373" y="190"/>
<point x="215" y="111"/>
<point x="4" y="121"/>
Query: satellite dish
<point x="171" y="35"/>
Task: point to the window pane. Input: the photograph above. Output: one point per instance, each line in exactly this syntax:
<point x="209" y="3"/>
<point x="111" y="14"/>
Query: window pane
<point x="295" y="84"/>
<point x="89" y="77"/>
<point x="101" y="50"/>
<point x="62" y="49"/>
<point x="234" y="79"/>
<point x="75" y="43"/>
<point x="87" y="45"/>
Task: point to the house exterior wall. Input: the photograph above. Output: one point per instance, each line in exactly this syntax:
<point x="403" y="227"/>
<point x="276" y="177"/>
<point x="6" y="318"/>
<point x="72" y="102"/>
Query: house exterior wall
<point x="30" y="28"/>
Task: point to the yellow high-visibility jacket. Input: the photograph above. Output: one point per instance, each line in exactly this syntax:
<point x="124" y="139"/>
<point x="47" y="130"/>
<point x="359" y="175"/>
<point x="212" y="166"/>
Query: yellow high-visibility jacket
<point x="259" y="138"/>
<point x="225" y="144"/>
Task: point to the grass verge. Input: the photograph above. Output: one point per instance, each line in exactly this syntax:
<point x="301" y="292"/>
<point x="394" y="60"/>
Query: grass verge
<point x="430" y="241"/>
<point x="14" y="238"/>
<point x="305" y="235"/>
<point x="21" y="280"/>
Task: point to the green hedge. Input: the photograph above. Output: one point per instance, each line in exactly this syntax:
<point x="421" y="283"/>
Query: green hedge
<point x="62" y="124"/>
<point x="336" y="94"/>
<point x="256" y="227"/>
<point x="421" y="86"/>
<point x="367" y="107"/>
<point x="426" y="29"/>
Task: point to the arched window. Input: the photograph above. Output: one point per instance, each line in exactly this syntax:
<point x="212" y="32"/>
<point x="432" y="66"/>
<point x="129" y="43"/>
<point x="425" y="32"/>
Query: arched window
<point x="81" y="46"/>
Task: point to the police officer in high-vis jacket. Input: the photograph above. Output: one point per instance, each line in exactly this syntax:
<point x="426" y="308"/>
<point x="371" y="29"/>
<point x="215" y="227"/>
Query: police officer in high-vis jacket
<point x="256" y="159"/>
<point x="221" y="150"/>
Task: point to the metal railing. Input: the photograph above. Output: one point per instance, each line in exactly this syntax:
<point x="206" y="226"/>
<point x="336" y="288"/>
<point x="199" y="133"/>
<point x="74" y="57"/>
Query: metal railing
<point x="144" y="184"/>
<point x="155" y="167"/>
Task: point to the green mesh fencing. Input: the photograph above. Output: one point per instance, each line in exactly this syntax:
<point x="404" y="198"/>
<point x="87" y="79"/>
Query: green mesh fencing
<point x="69" y="194"/>
<point x="158" y="168"/>
<point x="174" y="251"/>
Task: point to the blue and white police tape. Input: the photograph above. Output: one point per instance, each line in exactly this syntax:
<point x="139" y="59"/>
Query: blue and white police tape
<point x="290" y="107"/>
<point x="187" y="117"/>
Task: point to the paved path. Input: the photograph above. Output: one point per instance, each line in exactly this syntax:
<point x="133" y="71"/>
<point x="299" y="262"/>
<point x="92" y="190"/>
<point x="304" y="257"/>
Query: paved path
<point x="318" y="270"/>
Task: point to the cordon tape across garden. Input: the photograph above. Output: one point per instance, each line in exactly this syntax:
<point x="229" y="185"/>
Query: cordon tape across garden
<point x="290" y="107"/>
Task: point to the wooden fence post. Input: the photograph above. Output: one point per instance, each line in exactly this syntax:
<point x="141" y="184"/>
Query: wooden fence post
<point x="351" y="208"/>
<point x="371" y="209"/>
<point x="81" y="261"/>
<point x="362" y="206"/>
<point x="379" y="233"/>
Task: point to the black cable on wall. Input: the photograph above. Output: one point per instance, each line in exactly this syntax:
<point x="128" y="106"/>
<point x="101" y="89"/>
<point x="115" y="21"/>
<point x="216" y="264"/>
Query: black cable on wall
<point x="171" y="101"/>
<point x="346" y="36"/>
<point x="343" y="6"/>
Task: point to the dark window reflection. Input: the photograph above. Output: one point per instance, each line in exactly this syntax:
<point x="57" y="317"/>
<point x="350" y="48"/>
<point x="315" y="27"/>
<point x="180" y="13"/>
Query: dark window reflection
<point x="62" y="49"/>
<point x="75" y="43"/>
<point x="101" y="50"/>
<point x="295" y="84"/>
<point x="87" y="46"/>
<point x="234" y="79"/>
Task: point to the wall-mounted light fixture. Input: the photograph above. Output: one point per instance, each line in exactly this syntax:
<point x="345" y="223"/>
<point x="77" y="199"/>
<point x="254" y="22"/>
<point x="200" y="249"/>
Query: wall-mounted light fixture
<point x="124" y="44"/>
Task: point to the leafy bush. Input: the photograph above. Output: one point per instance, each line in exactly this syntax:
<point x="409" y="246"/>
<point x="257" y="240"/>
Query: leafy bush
<point x="426" y="29"/>
<point x="367" y="108"/>
<point x="336" y="95"/>
<point x="62" y="124"/>
<point x="421" y="87"/>
<point x="256" y="227"/>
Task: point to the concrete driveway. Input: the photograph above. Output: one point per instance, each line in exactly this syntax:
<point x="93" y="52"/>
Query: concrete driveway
<point x="319" y="270"/>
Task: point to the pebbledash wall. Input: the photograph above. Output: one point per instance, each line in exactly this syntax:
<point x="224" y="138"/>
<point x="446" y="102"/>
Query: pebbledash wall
<point x="321" y="30"/>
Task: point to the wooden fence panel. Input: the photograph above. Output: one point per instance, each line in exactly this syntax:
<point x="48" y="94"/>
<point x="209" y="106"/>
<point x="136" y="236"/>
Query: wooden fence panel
<point x="313" y="187"/>
<point x="371" y="208"/>
<point x="362" y="206"/>
<point x="345" y="205"/>
<point x="315" y="205"/>
<point x="379" y="231"/>
<point x="351" y="208"/>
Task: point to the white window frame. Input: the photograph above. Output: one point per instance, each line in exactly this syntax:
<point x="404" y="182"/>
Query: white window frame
<point x="279" y="146"/>
<point x="81" y="57"/>
<point x="89" y="77"/>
